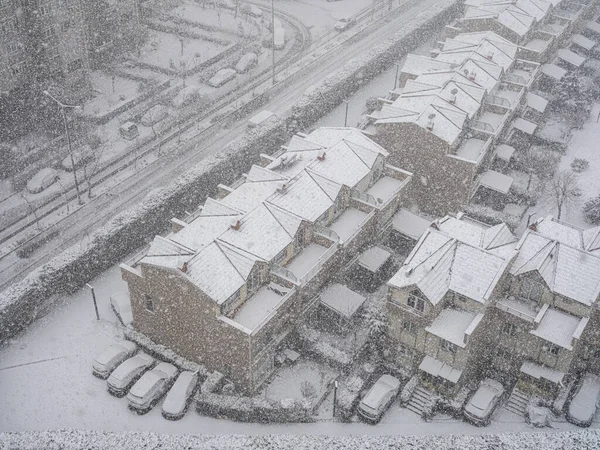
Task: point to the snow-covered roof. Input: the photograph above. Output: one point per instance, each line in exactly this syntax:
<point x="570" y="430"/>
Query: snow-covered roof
<point x="593" y="26"/>
<point x="410" y="224"/>
<point x="440" y="369"/>
<point x="257" y="308"/>
<point x="496" y="181"/>
<point x="524" y="125"/>
<point x="347" y="223"/>
<point x="478" y="235"/>
<point x="553" y="71"/>
<point x="562" y="260"/>
<point x="452" y="325"/>
<point x="571" y="57"/>
<point x="384" y="188"/>
<point x="583" y="42"/>
<point x="538" y="371"/>
<point x="516" y="16"/>
<point x="418" y="64"/>
<point x="342" y="300"/>
<point x="328" y="136"/>
<point x="439" y="263"/>
<point x="505" y="152"/>
<point x="373" y="258"/>
<point x="536" y="102"/>
<point x="558" y="327"/>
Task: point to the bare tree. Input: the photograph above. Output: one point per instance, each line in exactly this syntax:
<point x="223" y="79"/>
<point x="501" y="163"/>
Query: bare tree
<point x="33" y="211"/>
<point x="564" y="190"/>
<point x="90" y="158"/>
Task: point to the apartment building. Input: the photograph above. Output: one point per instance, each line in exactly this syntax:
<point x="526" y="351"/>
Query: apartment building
<point x="438" y="302"/>
<point x="448" y="120"/>
<point x="470" y="300"/>
<point x="230" y="283"/>
<point x="52" y="42"/>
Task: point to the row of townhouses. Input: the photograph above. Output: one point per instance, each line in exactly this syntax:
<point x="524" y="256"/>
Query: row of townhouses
<point x="229" y="284"/>
<point x="58" y="41"/>
<point x="472" y="300"/>
<point x="458" y="116"/>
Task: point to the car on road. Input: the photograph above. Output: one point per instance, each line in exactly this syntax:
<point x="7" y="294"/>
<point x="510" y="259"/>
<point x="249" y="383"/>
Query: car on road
<point x="185" y="96"/>
<point x="279" y="38"/>
<point x="251" y="10"/>
<point x="42" y="180"/>
<point x="344" y="23"/>
<point x="221" y="77"/>
<point x="111" y="357"/>
<point x="148" y="390"/>
<point x="127" y="373"/>
<point x="246" y="62"/>
<point x="154" y="115"/>
<point x="178" y="399"/>
<point x="584" y="403"/>
<point x="480" y="407"/>
<point x="378" y="399"/>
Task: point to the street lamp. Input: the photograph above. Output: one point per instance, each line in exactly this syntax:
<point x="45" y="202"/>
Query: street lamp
<point x="63" y="107"/>
<point x="346" y="115"/>
<point x="396" y="77"/>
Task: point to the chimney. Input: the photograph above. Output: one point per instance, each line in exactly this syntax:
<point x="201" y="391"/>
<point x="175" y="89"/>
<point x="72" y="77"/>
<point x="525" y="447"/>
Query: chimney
<point x="430" y="122"/>
<point x="235" y="224"/>
<point x="321" y="155"/>
<point x="435" y="225"/>
<point x="490" y="55"/>
<point x="182" y="265"/>
<point x="472" y="75"/>
<point x="282" y="187"/>
<point x="452" y="98"/>
<point x="533" y="226"/>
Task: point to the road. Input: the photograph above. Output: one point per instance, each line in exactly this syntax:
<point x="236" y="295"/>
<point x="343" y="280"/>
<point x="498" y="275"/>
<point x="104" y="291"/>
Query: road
<point x="119" y="195"/>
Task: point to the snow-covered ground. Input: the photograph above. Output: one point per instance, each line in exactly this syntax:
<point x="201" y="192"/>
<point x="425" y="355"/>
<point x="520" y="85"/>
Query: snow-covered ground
<point x="46" y="383"/>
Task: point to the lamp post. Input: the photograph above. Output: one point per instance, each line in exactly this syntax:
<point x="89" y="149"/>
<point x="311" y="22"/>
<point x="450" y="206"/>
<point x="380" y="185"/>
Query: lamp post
<point x="94" y="299"/>
<point x="273" y="33"/>
<point x="396" y="77"/>
<point x="346" y="115"/>
<point x="63" y="107"/>
<point x="335" y="388"/>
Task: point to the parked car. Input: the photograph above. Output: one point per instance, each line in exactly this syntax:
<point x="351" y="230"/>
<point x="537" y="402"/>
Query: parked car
<point x="185" y="96"/>
<point x="129" y="131"/>
<point x="42" y="180"/>
<point x="480" y="407"/>
<point x="128" y="372"/>
<point x="246" y="62"/>
<point x="221" y="77"/>
<point x="584" y="403"/>
<point x="179" y="396"/>
<point x="379" y="398"/>
<point x="111" y="357"/>
<point x="251" y="10"/>
<point x="154" y="115"/>
<point x="279" y="38"/>
<point x="344" y="23"/>
<point x="149" y="389"/>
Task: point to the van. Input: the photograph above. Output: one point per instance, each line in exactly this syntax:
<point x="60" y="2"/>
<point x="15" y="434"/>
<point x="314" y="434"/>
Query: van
<point x="279" y="38"/>
<point x="221" y="77"/>
<point x="246" y="62"/>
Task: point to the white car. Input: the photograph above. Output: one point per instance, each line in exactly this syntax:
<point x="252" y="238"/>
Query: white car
<point x="42" y="180"/>
<point x="148" y="390"/>
<point x="111" y="357"/>
<point x="246" y="62"/>
<point x="379" y="398"/>
<point x="584" y="403"/>
<point x="344" y="23"/>
<point x="481" y="406"/>
<point x="221" y="77"/>
<point x="185" y="96"/>
<point x="128" y="372"/>
<point x="251" y="10"/>
<point x="179" y="396"/>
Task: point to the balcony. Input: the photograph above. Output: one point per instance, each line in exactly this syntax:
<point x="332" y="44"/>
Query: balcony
<point x="310" y="261"/>
<point x="523" y="309"/>
<point x="350" y="223"/>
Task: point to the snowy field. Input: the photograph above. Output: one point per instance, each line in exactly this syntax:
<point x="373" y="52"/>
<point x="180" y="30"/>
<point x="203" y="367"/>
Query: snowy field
<point x="46" y="383"/>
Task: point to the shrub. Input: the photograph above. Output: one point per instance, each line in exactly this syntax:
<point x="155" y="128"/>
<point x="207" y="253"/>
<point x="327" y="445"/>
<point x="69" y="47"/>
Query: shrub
<point x="591" y="210"/>
<point x="580" y="164"/>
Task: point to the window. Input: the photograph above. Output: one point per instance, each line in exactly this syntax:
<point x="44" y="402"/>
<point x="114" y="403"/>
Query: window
<point x="149" y="303"/>
<point x="254" y="280"/>
<point x="509" y="329"/>
<point x="552" y="349"/>
<point x="409" y="327"/>
<point x="502" y="352"/>
<point x="531" y="290"/>
<point x="415" y="301"/>
<point x="449" y="346"/>
<point x="299" y="239"/>
<point x="75" y="65"/>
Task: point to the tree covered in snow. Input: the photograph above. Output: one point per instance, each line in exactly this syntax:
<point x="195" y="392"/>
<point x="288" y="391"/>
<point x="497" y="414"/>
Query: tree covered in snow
<point x="377" y="323"/>
<point x="564" y="190"/>
<point x="591" y="210"/>
<point x="572" y="97"/>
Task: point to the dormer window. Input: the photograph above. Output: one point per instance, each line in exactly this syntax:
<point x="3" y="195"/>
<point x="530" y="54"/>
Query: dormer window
<point x="416" y="301"/>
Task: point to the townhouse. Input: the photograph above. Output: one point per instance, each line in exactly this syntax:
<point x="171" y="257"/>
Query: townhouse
<point x="231" y="282"/>
<point x="470" y="301"/>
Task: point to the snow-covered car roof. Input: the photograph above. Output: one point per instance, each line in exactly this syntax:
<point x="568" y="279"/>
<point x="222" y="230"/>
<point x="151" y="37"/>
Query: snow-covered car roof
<point x="133" y="363"/>
<point x="163" y="371"/>
<point x="177" y="396"/>
<point x="114" y="350"/>
<point x="489" y="390"/>
<point x="385" y="384"/>
<point x="584" y="403"/>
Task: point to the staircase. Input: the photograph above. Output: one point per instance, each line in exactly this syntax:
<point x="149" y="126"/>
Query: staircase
<point x="420" y="401"/>
<point x="517" y="403"/>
